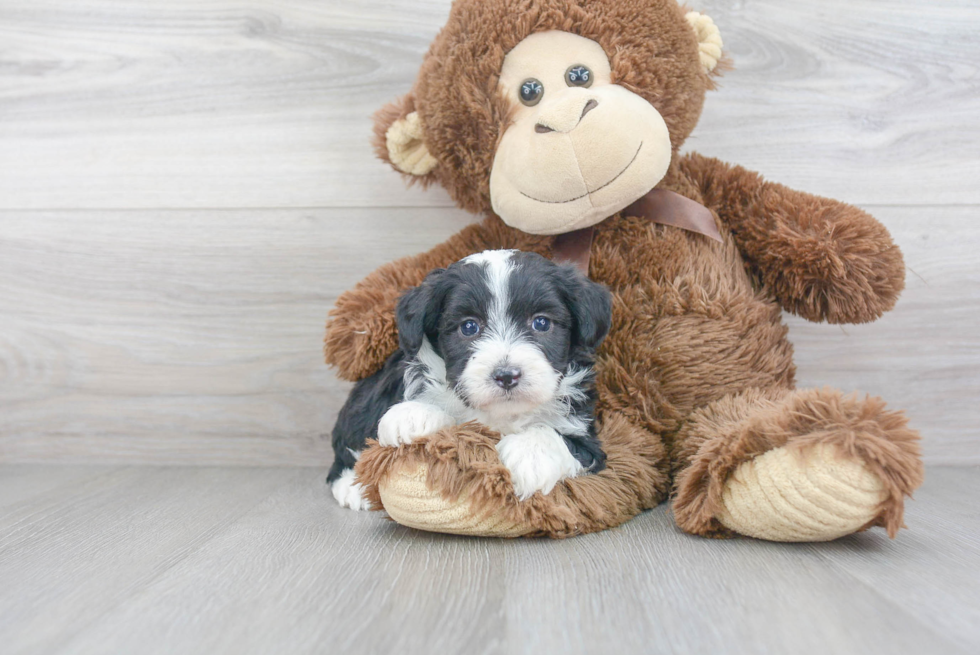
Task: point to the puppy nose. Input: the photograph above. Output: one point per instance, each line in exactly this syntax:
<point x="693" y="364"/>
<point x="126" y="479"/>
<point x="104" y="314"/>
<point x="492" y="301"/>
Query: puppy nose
<point x="507" y="378"/>
<point x="564" y="115"/>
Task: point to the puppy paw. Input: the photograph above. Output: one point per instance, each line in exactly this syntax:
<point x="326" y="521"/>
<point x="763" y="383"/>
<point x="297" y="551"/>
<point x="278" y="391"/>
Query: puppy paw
<point x="410" y="419"/>
<point x="537" y="459"/>
<point x="349" y="493"/>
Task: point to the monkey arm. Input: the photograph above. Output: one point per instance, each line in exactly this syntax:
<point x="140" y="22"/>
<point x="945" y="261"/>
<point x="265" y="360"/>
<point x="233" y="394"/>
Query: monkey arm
<point x="821" y="259"/>
<point x="361" y="332"/>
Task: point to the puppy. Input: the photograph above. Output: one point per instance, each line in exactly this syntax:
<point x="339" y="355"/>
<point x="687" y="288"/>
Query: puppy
<point x="504" y="338"/>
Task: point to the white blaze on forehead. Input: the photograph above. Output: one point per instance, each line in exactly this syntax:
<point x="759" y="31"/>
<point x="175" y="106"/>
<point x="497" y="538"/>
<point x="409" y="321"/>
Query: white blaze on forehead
<point x="488" y="256"/>
<point x="498" y="265"/>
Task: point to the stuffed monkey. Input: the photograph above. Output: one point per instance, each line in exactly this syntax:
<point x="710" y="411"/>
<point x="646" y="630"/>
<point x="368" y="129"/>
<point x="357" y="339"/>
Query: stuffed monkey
<point x="562" y="122"/>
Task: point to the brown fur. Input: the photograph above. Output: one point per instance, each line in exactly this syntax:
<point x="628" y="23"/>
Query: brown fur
<point x="822" y="260"/>
<point x="696" y="375"/>
<point x="463" y="462"/>
<point x="736" y="428"/>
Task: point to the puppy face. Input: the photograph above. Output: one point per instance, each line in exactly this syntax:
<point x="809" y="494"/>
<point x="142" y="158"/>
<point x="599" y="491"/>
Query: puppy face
<point x="507" y="326"/>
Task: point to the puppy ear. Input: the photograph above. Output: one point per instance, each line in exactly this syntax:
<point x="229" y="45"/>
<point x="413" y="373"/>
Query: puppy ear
<point x="417" y="312"/>
<point x="398" y="139"/>
<point x="591" y="307"/>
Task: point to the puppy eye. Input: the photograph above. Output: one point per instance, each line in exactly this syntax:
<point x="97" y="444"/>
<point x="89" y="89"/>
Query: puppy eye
<point x="531" y="92"/>
<point x="469" y="328"/>
<point x="578" y="75"/>
<point x="541" y="324"/>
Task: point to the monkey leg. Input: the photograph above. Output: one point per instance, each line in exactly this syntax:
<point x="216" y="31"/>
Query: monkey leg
<point x="453" y="482"/>
<point x="801" y="465"/>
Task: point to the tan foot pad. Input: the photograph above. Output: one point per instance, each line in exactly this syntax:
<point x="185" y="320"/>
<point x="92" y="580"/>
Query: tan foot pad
<point x="409" y="501"/>
<point x="793" y="495"/>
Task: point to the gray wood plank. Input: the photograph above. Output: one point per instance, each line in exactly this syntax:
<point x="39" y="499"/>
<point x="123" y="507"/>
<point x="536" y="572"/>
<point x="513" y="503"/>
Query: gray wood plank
<point x="945" y="527"/>
<point x="852" y="100"/>
<point x="113" y="569"/>
<point x="70" y="555"/>
<point x="20" y="482"/>
<point x="308" y="576"/>
<point x="219" y="104"/>
<point x="195" y="337"/>
<point x="650" y="588"/>
<point x="170" y="337"/>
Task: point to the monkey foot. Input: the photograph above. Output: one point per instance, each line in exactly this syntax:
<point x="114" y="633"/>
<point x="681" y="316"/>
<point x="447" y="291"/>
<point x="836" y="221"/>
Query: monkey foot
<point x="793" y="494"/>
<point x="409" y="500"/>
<point x="453" y="481"/>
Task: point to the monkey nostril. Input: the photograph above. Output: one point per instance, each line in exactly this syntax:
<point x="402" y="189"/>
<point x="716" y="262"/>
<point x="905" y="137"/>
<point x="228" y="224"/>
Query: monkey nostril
<point x="541" y="128"/>
<point x="589" y="106"/>
<point x="507" y="378"/>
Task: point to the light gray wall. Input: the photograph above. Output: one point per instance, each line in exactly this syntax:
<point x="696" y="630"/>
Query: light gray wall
<point x="185" y="188"/>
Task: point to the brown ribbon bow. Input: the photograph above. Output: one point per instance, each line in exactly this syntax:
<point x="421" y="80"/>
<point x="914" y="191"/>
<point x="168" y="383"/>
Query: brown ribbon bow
<point x="658" y="206"/>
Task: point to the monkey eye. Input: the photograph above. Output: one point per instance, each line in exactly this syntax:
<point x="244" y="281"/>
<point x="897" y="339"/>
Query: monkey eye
<point x="541" y="324"/>
<point x="469" y="328"/>
<point x="578" y="75"/>
<point x="531" y="92"/>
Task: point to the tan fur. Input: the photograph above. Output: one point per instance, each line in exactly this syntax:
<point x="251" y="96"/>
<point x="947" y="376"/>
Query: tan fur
<point x="709" y="39"/>
<point x="696" y="375"/>
<point x="406" y="150"/>
<point x="586" y="172"/>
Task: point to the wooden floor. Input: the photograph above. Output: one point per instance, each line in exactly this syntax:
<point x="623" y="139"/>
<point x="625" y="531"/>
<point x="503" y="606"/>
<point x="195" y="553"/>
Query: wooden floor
<point x="259" y="560"/>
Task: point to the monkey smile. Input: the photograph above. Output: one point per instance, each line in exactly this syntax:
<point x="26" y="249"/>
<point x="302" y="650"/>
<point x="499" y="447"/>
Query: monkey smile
<point x="615" y="177"/>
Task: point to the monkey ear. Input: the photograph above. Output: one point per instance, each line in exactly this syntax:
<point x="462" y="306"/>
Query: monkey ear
<point x="406" y="150"/>
<point x="398" y="138"/>
<point x="709" y="39"/>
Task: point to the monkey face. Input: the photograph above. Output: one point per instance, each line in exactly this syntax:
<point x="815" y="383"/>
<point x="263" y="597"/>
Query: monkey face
<point x="552" y="113"/>
<point x="579" y="148"/>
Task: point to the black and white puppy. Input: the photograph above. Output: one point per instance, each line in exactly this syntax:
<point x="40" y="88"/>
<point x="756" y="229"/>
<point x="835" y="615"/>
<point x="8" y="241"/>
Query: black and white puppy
<point x="504" y="338"/>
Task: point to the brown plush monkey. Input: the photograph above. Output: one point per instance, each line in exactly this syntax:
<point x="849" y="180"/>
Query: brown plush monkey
<point x="555" y="117"/>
